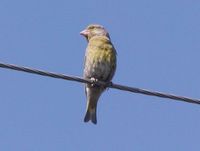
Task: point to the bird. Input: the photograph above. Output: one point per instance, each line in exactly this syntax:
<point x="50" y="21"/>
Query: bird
<point x="99" y="65"/>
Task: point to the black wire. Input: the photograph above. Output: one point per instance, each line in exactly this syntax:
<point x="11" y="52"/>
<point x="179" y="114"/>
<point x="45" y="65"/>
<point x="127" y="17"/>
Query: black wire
<point x="110" y="85"/>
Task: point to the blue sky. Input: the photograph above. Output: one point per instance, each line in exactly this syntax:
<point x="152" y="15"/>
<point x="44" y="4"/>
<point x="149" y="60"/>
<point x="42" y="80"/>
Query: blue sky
<point x="158" y="49"/>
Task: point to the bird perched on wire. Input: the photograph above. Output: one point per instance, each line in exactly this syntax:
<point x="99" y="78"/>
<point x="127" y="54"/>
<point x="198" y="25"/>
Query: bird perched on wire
<point x="99" y="65"/>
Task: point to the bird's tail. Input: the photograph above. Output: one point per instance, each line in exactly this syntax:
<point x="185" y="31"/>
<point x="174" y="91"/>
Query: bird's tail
<point x="91" y="114"/>
<point x="93" y="95"/>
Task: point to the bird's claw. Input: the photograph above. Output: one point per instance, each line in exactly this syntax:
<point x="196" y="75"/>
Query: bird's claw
<point x="94" y="81"/>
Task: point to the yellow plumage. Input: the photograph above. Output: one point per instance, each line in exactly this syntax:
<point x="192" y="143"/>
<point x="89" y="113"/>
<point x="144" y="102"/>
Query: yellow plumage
<point x="100" y="48"/>
<point x="100" y="64"/>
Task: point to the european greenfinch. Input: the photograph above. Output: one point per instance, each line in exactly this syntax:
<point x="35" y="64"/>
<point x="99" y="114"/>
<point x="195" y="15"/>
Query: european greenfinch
<point x="99" y="65"/>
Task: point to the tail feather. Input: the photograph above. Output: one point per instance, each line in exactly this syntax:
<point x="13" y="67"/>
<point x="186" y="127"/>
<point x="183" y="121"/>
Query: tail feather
<point x="91" y="115"/>
<point x="87" y="116"/>
<point x="92" y="94"/>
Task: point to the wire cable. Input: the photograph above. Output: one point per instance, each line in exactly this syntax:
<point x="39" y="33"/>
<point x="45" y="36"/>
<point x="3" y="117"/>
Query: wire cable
<point x="110" y="85"/>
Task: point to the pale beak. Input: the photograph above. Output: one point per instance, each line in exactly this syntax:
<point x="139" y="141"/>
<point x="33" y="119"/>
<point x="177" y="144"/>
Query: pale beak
<point x="84" y="32"/>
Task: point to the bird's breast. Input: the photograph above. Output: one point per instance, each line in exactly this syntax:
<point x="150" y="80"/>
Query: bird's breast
<point x="100" y="59"/>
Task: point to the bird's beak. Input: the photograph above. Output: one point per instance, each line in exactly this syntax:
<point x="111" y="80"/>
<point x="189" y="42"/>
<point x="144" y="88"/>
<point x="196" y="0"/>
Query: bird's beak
<point x="84" y="32"/>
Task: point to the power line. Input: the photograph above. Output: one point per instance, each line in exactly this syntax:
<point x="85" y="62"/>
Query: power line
<point x="110" y="85"/>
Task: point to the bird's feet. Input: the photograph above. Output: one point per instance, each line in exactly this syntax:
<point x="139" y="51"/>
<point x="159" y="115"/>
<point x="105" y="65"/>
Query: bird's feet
<point x="94" y="81"/>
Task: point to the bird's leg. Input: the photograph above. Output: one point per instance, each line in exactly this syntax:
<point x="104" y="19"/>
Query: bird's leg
<point x="94" y="81"/>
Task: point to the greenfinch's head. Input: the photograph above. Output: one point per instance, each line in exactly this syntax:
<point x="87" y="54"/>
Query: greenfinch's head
<point x="94" y="30"/>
